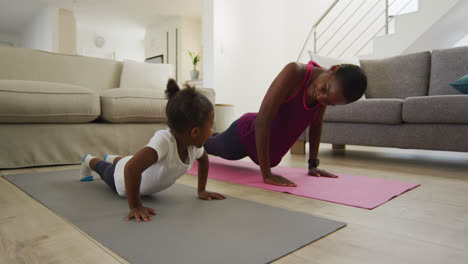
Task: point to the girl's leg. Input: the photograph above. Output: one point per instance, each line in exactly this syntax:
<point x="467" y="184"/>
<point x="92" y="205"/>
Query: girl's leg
<point x="112" y="158"/>
<point x="117" y="159"/>
<point x="93" y="162"/>
<point x="105" y="170"/>
<point x="226" y="144"/>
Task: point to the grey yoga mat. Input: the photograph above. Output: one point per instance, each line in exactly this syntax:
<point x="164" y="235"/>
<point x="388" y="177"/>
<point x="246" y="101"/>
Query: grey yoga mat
<point x="185" y="229"/>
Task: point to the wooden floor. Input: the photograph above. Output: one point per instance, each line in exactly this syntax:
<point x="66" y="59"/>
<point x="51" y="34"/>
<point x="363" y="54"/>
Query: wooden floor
<point x="426" y="225"/>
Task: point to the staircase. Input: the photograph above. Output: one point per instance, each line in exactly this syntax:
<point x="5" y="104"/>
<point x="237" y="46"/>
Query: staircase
<point x="378" y="28"/>
<point x="408" y="27"/>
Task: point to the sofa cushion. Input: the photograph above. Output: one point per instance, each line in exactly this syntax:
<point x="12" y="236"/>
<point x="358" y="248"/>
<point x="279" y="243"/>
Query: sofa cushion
<point x="122" y="105"/>
<point x="441" y="109"/>
<point x="448" y="65"/>
<point x="46" y="102"/>
<point x="374" y="111"/>
<point x="28" y="64"/>
<point x="398" y="77"/>
<point x="142" y="75"/>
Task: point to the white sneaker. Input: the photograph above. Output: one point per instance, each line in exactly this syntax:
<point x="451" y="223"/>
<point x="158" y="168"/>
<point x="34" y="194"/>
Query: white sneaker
<point x="85" y="171"/>
<point x="110" y="158"/>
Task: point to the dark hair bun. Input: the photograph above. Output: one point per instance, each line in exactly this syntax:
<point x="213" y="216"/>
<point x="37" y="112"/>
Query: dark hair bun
<point x="186" y="108"/>
<point x="172" y="88"/>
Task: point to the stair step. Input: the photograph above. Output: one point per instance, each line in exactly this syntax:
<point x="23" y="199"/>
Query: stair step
<point x="409" y="26"/>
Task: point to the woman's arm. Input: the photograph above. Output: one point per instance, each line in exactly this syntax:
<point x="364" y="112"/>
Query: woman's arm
<point x="315" y="132"/>
<point x="284" y="86"/>
<point x="143" y="159"/>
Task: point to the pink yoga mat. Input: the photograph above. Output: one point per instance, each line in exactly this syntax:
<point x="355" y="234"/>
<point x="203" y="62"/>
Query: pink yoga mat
<point x="363" y="192"/>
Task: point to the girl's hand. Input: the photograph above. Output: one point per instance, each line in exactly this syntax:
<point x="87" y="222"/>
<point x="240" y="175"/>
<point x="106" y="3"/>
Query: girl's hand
<point x="141" y="213"/>
<point x="321" y="173"/>
<point x="204" y="195"/>
<point x="278" y="180"/>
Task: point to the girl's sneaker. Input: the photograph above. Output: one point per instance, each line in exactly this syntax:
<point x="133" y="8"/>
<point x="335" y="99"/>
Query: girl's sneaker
<point x="85" y="171"/>
<point x="110" y="158"/>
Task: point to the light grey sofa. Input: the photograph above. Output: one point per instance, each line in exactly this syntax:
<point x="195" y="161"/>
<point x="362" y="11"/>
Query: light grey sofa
<point x="409" y="104"/>
<point x="54" y="108"/>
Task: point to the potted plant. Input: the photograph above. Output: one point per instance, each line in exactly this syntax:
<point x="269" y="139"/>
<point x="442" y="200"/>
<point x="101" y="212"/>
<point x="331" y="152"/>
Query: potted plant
<point x="195" y="59"/>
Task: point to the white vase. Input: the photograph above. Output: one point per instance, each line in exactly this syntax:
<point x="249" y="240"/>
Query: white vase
<point x="194" y="75"/>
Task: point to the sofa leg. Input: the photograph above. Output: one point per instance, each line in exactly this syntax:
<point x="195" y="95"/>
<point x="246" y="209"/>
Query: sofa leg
<point x="298" y="148"/>
<point x="338" y="146"/>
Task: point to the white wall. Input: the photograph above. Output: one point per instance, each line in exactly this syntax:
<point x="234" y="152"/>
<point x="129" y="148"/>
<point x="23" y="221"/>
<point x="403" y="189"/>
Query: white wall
<point x="42" y="31"/>
<point x="123" y="39"/>
<point x="156" y="42"/>
<point x="207" y="43"/>
<point x="160" y="39"/>
<point x="253" y="41"/>
<point x="66" y="32"/>
<point x="190" y="39"/>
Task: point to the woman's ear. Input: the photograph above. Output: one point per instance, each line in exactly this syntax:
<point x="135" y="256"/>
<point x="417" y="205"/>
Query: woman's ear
<point x="334" y="68"/>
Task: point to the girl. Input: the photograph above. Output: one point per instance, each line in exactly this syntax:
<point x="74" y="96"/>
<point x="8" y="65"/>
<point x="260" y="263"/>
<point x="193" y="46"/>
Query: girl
<point x="169" y="154"/>
<point x="296" y="99"/>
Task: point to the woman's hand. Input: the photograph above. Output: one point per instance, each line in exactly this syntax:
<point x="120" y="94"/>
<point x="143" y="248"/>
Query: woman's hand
<point x="141" y="213"/>
<point x="204" y="195"/>
<point x="321" y="173"/>
<point x="278" y="180"/>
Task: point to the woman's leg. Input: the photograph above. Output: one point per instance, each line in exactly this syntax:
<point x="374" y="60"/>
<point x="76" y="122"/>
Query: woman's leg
<point x="226" y="144"/>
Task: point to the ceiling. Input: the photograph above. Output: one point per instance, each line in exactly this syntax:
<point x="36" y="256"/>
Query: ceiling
<point x="15" y="14"/>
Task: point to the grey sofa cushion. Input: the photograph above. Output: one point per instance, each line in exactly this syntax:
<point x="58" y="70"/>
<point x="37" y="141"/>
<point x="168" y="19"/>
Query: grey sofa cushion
<point x="448" y="66"/>
<point x="398" y="77"/>
<point x="375" y="111"/>
<point x="442" y="109"/>
<point x="46" y="102"/>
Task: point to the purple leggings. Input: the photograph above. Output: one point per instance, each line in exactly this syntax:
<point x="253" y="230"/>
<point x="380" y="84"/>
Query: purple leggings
<point x="226" y="144"/>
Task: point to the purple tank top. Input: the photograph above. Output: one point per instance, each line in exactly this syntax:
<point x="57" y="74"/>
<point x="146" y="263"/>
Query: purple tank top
<point x="292" y="119"/>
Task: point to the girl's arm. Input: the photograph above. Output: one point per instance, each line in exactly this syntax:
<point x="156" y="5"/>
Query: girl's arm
<point x="203" y="166"/>
<point x="143" y="159"/>
<point x="283" y="87"/>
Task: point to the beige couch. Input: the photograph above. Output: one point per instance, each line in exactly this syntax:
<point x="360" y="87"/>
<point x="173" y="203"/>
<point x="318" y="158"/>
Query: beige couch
<point x="54" y="108"/>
